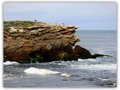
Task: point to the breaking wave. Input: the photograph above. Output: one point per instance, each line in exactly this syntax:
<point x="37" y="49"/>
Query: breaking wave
<point x="96" y="66"/>
<point x="10" y="63"/>
<point x="33" y="70"/>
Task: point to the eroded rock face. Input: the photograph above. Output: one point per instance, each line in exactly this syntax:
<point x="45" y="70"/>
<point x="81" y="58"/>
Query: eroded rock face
<point x="45" y="40"/>
<point x="28" y="41"/>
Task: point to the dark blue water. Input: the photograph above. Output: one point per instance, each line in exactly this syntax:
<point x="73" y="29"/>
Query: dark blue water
<point x="104" y="41"/>
<point x="100" y="41"/>
<point x="96" y="73"/>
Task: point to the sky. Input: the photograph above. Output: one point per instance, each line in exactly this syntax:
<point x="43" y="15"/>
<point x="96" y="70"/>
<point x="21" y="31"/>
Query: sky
<point x="87" y="15"/>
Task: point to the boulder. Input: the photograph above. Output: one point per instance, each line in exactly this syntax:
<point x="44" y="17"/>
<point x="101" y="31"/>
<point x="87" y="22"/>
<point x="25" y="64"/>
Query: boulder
<point x="82" y="52"/>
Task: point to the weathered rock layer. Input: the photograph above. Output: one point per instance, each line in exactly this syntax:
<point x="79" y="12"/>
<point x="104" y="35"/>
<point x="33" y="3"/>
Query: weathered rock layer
<point x="20" y="41"/>
<point x="28" y="41"/>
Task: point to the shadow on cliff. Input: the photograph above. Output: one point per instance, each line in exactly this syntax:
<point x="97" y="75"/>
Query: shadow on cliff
<point x="65" y="54"/>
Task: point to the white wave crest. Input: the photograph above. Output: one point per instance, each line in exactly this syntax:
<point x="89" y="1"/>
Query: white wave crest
<point x="96" y="66"/>
<point x="94" y="60"/>
<point x="10" y="63"/>
<point x="33" y="70"/>
<point x="81" y="60"/>
<point x="66" y="75"/>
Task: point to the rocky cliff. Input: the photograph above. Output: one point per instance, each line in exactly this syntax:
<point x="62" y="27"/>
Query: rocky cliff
<point x="29" y="41"/>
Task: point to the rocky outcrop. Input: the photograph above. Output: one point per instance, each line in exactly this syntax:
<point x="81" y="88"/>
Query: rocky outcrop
<point x="29" y="41"/>
<point x="83" y="53"/>
<point x="40" y="40"/>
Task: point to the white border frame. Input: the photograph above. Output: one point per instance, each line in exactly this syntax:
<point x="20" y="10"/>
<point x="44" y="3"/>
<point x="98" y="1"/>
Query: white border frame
<point x="1" y="41"/>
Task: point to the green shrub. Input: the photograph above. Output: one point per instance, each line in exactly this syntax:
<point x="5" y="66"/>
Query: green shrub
<point x="18" y="23"/>
<point x="6" y="29"/>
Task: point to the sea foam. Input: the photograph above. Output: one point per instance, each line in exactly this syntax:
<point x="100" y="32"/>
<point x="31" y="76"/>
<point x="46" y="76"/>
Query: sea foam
<point x="94" y="60"/>
<point x="96" y="66"/>
<point x="33" y="70"/>
<point x="10" y="63"/>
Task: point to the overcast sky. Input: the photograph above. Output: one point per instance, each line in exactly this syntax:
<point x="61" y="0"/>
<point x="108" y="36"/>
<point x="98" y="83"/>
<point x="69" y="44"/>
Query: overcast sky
<point x="88" y="16"/>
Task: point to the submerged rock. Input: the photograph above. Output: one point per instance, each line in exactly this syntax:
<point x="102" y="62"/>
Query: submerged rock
<point x="106" y="82"/>
<point x="29" y="41"/>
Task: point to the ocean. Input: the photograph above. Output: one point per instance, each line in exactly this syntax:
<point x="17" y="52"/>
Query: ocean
<point x="84" y="73"/>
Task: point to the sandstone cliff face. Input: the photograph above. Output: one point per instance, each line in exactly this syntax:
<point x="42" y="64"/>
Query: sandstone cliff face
<point x="37" y="39"/>
<point x="28" y="41"/>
